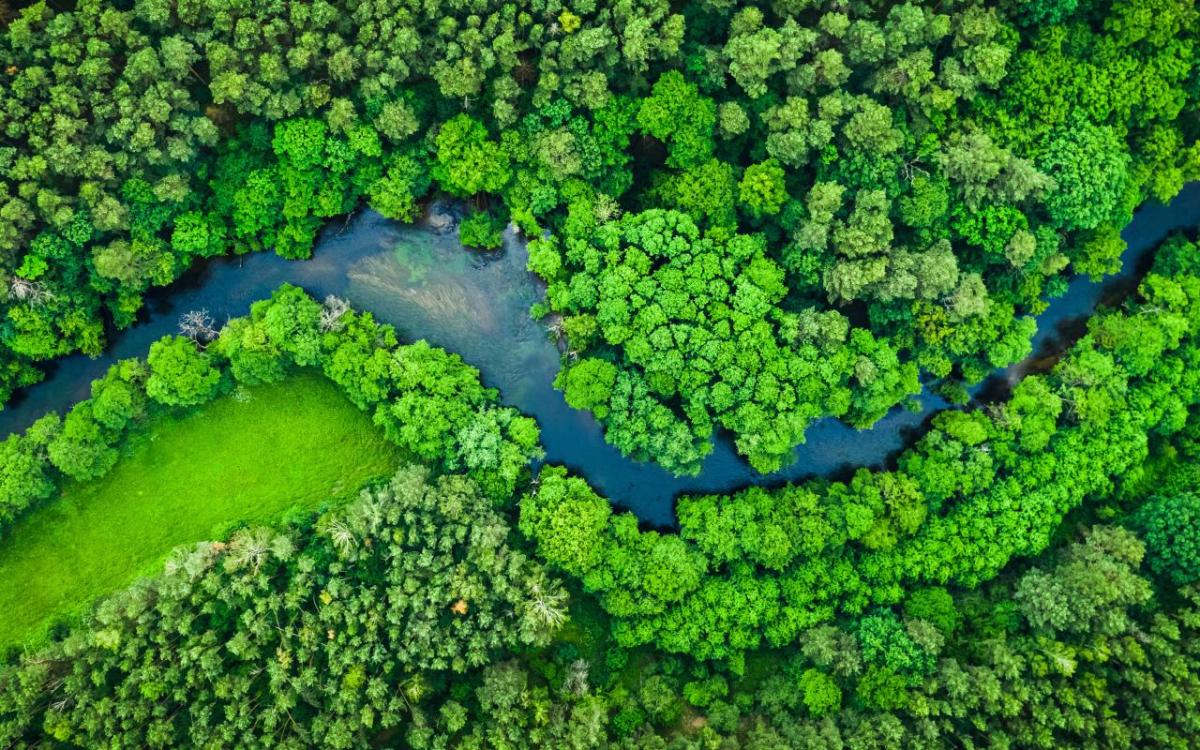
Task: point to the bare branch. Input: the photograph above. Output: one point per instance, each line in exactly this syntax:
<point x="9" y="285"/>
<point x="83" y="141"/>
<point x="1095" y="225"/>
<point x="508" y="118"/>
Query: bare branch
<point x="33" y="292"/>
<point x="198" y="326"/>
<point x="332" y="311"/>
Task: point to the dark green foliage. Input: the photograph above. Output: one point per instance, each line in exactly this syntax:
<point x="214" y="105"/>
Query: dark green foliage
<point x="716" y="191"/>
<point x="1170" y="526"/>
<point x="935" y="606"/>
<point x="315" y="636"/>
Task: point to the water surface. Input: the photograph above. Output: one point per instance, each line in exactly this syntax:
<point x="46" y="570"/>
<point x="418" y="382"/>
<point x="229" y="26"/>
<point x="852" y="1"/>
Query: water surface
<point x="428" y="286"/>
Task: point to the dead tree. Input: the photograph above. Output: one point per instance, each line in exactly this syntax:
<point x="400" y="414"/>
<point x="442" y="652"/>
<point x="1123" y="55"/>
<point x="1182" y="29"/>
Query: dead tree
<point x="332" y="311"/>
<point x="33" y="292"/>
<point x="198" y="326"/>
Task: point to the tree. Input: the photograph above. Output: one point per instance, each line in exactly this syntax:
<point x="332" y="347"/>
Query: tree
<point x="1090" y="587"/>
<point x="936" y="606"/>
<point x="1090" y="168"/>
<point x="762" y="190"/>
<point x="82" y="448"/>
<point x="677" y="115"/>
<point x="467" y="162"/>
<point x="180" y="375"/>
<point x="24" y="468"/>
<point x="821" y="694"/>
<point x="370" y="609"/>
<point x="405" y="179"/>
<point x="588" y="384"/>
<point x="567" y="520"/>
<point x="1170" y="527"/>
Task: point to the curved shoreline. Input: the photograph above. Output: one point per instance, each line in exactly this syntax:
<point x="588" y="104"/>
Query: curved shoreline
<point x="477" y="306"/>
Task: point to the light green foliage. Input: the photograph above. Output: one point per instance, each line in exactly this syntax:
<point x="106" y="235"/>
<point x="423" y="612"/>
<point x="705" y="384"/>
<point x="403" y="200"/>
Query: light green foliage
<point x="1089" y="167"/>
<point x="679" y="116"/>
<point x="467" y="161"/>
<point x="576" y="531"/>
<point x="405" y="179"/>
<point x="1089" y="588"/>
<point x="570" y="517"/>
<point x="935" y="606"/>
<point x="707" y="193"/>
<point x="24" y="468"/>
<point x="180" y="374"/>
<point x="821" y="694"/>
<point x="82" y="448"/>
<point x="588" y="384"/>
<point x="762" y="191"/>
<point x="278" y="190"/>
<point x="698" y="322"/>
<point x="298" y="444"/>
<point x="980" y="488"/>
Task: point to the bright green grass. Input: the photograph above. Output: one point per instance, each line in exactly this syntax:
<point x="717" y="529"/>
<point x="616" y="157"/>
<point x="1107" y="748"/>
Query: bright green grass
<point x="294" y="445"/>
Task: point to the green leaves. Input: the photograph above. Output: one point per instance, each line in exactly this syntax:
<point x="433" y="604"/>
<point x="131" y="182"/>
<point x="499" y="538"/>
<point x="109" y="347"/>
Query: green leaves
<point x="329" y="633"/>
<point x="588" y="385"/>
<point x="980" y="488"/>
<point x="680" y="117"/>
<point x="762" y="190"/>
<point x="567" y="520"/>
<point x="467" y="162"/>
<point x="1090" y="168"/>
<point x="1090" y="587"/>
<point x="703" y="341"/>
<point x="1169" y="525"/>
<point x="180" y="374"/>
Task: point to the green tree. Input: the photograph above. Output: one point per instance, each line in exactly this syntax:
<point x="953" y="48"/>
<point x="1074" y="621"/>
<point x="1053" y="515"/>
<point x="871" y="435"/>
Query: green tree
<point x="1090" y="168"/>
<point x="467" y="162"/>
<point x="762" y="190"/>
<point x="680" y="117"/>
<point x="1170" y="527"/>
<point x="180" y="374"/>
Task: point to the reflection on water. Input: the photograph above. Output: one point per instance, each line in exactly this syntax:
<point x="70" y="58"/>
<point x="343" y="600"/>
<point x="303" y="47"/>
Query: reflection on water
<point x="477" y="305"/>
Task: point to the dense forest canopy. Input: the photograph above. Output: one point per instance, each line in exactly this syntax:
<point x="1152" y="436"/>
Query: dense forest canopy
<point x="749" y="629"/>
<point x="748" y="216"/>
<point x="916" y="179"/>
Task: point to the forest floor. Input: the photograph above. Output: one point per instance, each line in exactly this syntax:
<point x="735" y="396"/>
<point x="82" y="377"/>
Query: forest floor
<point x="298" y="445"/>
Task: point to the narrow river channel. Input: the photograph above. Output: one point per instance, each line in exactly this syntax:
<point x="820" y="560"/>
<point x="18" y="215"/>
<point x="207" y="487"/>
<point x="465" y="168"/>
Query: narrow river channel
<point x="428" y="286"/>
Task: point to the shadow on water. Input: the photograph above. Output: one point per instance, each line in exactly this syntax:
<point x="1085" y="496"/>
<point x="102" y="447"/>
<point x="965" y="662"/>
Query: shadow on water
<point x="477" y="305"/>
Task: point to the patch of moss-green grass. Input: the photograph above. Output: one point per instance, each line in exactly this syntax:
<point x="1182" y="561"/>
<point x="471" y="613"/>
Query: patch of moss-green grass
<point x="247" y="459"/>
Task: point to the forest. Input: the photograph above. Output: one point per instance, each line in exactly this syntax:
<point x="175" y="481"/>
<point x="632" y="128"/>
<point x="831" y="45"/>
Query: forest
<point x="305" y="526"/>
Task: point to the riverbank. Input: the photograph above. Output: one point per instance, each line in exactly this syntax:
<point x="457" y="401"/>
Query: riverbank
<point x="420" y="280"/>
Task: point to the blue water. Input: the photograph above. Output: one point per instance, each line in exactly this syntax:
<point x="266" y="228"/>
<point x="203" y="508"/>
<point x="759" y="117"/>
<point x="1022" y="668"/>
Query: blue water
<point x="477" y="305"/>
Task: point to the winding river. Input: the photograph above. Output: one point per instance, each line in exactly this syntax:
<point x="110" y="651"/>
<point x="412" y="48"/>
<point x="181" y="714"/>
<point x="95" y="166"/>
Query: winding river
<point x="428" y="286"/>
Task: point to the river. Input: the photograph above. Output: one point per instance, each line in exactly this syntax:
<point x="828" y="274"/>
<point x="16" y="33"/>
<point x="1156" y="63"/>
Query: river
<point x="477" y="304"/>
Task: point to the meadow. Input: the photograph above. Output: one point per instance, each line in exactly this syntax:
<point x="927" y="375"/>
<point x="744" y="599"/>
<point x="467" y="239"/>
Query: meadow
<point x="245" y="459"/>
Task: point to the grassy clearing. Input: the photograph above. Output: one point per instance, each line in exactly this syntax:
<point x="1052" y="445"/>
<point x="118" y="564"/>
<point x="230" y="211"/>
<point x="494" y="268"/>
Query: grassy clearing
<point x="296" y="445"/>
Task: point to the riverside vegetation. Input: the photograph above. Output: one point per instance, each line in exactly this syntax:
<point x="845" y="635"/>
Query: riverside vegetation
<point x="748" y="217"/>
